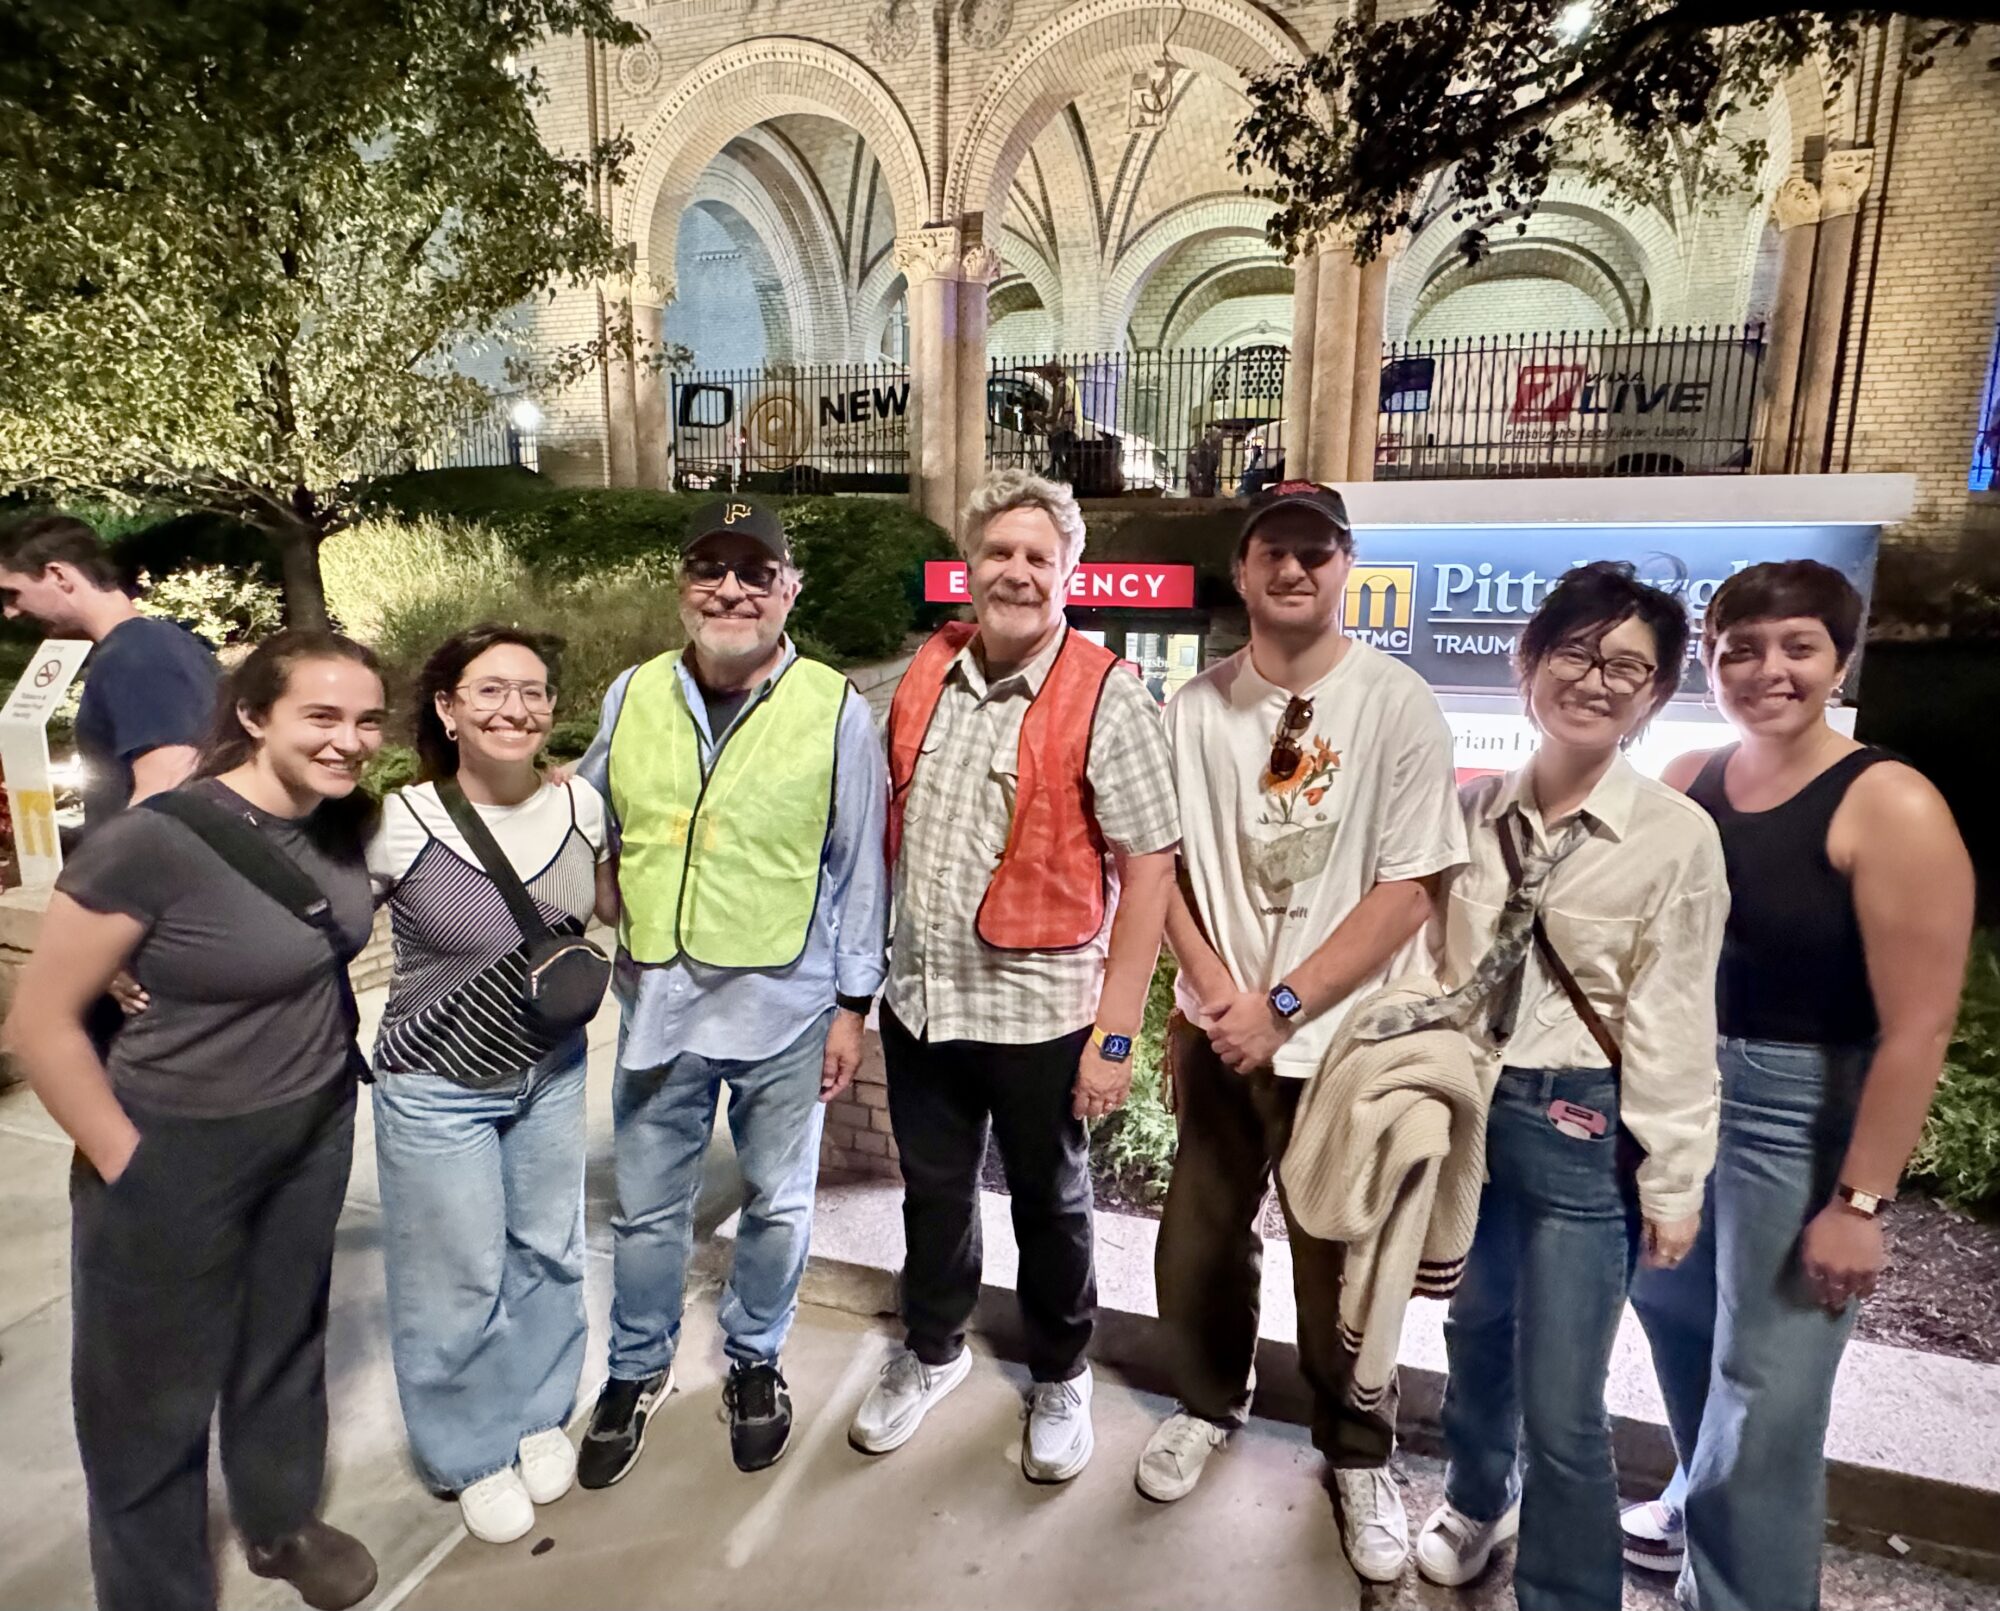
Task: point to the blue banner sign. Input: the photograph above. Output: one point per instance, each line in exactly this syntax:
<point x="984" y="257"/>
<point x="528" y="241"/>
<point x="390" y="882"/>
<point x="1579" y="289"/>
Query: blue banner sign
<point x="1452" y="599"/>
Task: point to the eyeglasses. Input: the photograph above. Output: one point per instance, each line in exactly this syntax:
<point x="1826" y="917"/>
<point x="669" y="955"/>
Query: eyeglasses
<point x="490" y="694"/>
<point x="1286" y="756"/>
<point x="755" y="576"/>
<point x="1622" y="673"/>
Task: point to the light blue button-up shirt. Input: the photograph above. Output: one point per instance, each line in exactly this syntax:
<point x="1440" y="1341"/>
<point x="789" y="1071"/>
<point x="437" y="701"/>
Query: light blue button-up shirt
<point x="748" y="1014"/>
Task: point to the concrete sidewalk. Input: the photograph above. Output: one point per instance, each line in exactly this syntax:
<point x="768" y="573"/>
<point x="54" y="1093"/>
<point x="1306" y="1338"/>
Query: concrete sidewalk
<point x="947" y="1521"/>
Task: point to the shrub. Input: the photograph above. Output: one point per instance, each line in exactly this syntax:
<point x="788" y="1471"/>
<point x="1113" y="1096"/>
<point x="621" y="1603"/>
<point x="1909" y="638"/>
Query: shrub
<point x="406" y="586"/>
<point x="862" y="557"/>
<point x="1136" y="1145"/>
<point x="1959" y="1155"/>
<point x="220" y="605"/>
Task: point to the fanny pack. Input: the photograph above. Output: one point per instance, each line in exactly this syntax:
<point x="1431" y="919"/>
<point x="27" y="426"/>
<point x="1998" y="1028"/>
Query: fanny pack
<point x="567" y="975"/>
<point x="253" y="857"/>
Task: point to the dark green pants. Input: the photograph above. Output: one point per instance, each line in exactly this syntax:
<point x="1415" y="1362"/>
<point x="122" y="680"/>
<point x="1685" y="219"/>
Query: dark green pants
<point x="1209" y="1262"/>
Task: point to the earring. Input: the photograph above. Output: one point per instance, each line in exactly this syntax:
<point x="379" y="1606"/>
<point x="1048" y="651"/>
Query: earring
<point x="451" y="733"/>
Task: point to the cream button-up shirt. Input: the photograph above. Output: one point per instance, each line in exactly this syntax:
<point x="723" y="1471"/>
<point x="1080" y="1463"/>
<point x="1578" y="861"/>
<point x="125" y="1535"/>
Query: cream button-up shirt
<point x="1636" y="911"/>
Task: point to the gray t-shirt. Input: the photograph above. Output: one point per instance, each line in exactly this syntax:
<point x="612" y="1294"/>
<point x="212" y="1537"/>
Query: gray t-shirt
<point x="246" y="1010"/>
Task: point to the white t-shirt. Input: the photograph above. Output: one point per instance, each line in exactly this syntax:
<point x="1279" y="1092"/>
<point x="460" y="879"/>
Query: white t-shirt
<point x="1275" y="866"/>
<point x="529" y="833"/>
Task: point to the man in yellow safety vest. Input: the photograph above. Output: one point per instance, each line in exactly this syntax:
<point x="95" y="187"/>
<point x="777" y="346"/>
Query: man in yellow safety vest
<point x="748" y="793"/>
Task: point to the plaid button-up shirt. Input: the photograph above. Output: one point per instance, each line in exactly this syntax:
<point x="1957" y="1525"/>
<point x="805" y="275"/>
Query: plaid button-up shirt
<point x="944" y="982"/>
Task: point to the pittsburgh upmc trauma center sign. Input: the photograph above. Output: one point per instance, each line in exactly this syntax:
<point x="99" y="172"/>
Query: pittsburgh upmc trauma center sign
<point x="1452" y="601"/>
<point x="1446" y="573"/>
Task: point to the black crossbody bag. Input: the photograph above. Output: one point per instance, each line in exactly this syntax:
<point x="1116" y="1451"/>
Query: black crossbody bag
<point x="567" y="975"/>
<point x="253" y="857"/>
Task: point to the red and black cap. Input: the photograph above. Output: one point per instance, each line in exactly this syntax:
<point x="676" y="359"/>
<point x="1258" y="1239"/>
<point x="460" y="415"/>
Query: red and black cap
<point x="1322" y="501"/>
<point x="740" y="517"/>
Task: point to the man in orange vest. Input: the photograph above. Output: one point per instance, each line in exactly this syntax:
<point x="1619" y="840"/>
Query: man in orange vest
<point x="1031" y="835"/>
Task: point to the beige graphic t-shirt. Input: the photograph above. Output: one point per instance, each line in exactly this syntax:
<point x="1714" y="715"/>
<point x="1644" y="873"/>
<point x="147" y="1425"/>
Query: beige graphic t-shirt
<point x="1277" y="865"/>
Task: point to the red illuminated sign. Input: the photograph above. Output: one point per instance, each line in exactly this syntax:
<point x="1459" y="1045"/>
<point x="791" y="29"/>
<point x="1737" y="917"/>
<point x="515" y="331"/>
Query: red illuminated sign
<point x="1096" y="587"/>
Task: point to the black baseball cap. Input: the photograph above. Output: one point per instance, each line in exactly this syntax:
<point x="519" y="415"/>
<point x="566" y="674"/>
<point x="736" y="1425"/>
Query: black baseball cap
<point x="1323" y="501"/>
<point x="741" y="517"/>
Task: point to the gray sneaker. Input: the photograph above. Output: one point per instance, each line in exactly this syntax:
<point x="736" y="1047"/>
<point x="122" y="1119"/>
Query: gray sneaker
<point x="1058" y="1441"/>
<point x="900" y="1399"/>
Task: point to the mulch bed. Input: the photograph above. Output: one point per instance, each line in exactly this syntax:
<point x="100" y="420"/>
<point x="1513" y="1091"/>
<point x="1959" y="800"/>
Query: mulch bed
<point x="1940" y="1292"/>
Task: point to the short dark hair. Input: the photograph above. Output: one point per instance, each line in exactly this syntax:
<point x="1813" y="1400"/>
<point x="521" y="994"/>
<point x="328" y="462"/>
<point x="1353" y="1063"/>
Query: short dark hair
<point x="35" y="542"/>
<point x="437" y="752"/>
<point x="1588" y="602"/>
<point x="1780" y="590"/>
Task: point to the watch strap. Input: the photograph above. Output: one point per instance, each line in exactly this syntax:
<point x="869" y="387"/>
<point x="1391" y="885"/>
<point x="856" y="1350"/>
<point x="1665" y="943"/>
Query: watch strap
<point x="1862" y="1202"/>
<point x="861" y="1004"/>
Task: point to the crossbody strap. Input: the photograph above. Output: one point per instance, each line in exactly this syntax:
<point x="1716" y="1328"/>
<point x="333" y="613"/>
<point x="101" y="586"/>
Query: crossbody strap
<point x="254" y="858"/>
<point x="1559" y="969"/>
<point x="527" y="916"/>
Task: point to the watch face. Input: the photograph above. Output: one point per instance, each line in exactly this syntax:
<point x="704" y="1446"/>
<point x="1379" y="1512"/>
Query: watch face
<point x="1285" y="1001"/>
<point x="1115" y="1048"/>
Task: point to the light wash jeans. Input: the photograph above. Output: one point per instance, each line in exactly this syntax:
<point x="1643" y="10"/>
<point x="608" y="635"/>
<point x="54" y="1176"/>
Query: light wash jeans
<point x="1529" y="1339"/>
<point x="664" y="1117"/>
<point x="1746" y="1358"/>
<point x="482" y="1195"/>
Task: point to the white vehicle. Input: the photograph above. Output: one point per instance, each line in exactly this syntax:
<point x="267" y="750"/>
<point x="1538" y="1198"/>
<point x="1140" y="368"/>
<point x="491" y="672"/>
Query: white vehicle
<point x="1623" y="405"/>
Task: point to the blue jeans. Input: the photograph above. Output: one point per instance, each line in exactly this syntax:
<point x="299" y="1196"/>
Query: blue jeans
<point x="482" y="1195"/>
<point x="1746" y="1358"/>
<point x="664" y="1117"/>
<point x="1529" y="1339"/>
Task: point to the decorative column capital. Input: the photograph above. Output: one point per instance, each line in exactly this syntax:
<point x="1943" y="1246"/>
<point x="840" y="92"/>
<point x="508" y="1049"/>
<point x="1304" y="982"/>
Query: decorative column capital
<point x="1844" y="180"/>
<point x="1797" y="202"/>
<point x="936" y="252"/>
<point x="980" y="265"/>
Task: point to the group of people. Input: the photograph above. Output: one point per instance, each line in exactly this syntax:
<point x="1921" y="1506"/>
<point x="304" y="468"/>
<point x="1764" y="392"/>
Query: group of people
<point x="1703" y="1018"/>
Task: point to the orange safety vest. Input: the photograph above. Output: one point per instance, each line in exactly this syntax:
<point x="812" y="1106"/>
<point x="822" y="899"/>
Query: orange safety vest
<point x="1048" y="892"/>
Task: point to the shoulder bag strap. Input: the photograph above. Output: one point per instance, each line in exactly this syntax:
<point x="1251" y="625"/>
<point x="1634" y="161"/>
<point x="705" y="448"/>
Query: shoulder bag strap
<point x="255" y="859"/>
<point x="252" y="855"/>
<point x="1559" y="969"/>
<point x="527" y="916"/>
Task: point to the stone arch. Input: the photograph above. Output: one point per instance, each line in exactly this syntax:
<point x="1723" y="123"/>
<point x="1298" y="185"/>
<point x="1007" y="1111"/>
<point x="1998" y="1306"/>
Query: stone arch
<point x="1228" y="39"/>
<point x="1539" y="258"/>
<point x="739" y="87"/>
<point x="754" y="183"/>
<point x="1638" y="247"/>
<point x="1242" y="278"/>
<point x="1160" y="237"/>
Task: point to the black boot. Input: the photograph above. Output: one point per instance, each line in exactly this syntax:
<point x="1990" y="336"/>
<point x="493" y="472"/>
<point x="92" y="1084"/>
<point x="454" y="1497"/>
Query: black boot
<point x="331" y="1569"/>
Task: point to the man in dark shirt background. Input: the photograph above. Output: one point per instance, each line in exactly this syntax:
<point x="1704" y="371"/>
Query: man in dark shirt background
<point x="149" y="685"/>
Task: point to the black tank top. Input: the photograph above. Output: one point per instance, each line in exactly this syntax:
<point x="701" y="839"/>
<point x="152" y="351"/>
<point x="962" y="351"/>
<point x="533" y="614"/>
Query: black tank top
<point x="1792" y="963"/>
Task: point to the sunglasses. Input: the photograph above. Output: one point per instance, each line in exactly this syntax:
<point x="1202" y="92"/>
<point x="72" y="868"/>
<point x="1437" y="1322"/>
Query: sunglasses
<point x="755" y="576"/>
<point x="1286" y="756"/>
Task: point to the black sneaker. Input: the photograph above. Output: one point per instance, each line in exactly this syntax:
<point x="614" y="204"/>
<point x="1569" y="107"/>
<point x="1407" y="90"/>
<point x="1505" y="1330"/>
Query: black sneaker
<point x="760" y="1415"/>
<point x="618" y="1428"/>
<point x="331" y="1570"/>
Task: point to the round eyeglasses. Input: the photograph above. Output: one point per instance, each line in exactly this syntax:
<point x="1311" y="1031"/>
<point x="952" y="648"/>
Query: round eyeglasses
<point x="1622" y="673"/>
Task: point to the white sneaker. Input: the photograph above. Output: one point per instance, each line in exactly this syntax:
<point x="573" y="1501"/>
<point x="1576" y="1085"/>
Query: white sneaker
<point x="497" y="1509"/>
<point x="1655" y="1536"/>
<point x="900" y="1399"/>
<point x="548" y="1465"/>
<point x="1373" y="1527"/>
<point x="1059" y="1440"/>
<point x="1180" y="1446"/>
<point x="1453" y="1549"/>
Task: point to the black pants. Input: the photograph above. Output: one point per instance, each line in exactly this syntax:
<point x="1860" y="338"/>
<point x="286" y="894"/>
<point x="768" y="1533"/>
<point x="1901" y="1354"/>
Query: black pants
<point x="200" y="1278"/>
<point x="942" y="1097"/>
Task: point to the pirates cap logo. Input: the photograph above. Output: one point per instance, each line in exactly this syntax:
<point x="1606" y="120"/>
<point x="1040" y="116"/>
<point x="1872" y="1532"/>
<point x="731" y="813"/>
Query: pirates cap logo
<point x="733" y="512"/>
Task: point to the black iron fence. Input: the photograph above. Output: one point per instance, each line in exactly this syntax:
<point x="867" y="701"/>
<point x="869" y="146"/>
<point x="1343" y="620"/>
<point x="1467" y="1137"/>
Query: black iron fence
<point x="804" y="428"/>
<point x="506" y="434"/>
<point x="1188" y="421"/>
<point x="1668" y="402"/>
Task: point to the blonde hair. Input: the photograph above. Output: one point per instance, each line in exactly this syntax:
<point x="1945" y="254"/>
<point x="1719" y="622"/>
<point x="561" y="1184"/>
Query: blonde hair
<point x="1003" y="490"/>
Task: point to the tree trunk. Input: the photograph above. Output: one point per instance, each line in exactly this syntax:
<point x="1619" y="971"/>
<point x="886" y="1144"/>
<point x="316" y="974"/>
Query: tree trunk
<point x="298" y="557"/>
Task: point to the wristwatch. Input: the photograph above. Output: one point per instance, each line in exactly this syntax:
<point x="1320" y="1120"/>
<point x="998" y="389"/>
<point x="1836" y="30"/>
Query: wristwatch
<point x="1112" y="1048"/>
<point x="1866" y="1203"/>
<point x="1285" y="1001"/>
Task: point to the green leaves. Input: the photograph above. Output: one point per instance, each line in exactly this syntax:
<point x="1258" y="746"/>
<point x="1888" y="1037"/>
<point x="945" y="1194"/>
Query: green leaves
<point x="1469" y="106"/>
<point x="245" y="244"/>
<point x="1959" y="1156"/>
